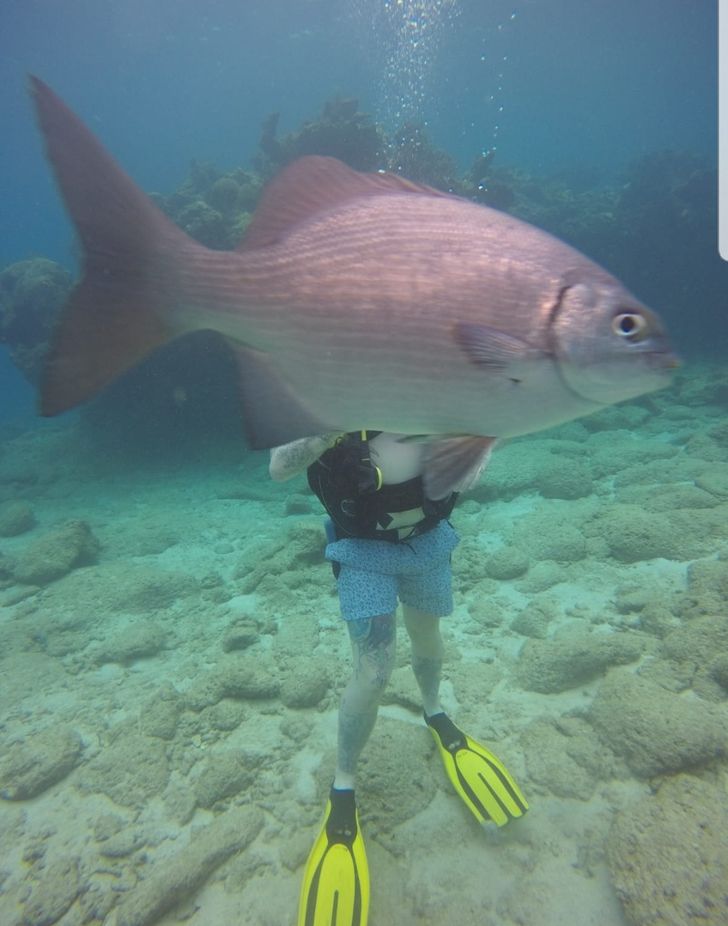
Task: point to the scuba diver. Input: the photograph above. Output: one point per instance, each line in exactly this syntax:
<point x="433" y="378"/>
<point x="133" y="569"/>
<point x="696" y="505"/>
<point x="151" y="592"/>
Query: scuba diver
<point x="387" y="541"/>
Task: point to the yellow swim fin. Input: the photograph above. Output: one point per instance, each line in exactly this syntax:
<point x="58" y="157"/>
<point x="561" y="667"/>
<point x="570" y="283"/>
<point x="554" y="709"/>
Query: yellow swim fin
<point x="478" y="776"/>
<point x="335" y="889"/>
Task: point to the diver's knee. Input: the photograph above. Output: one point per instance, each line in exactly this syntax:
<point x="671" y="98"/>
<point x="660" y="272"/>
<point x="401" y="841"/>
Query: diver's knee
<point x="367" y="685"/>
<point x="376" y="675"/>
<point x="374" y="670"/>
<point x="375" y="649"/>
<point x="423" y="629"/>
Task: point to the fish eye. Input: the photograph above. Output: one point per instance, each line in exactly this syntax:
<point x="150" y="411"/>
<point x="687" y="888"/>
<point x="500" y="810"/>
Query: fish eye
<point x="629" y="325"/>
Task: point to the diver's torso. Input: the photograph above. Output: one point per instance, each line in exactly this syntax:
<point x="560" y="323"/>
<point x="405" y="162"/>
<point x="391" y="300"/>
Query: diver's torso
<point x="371" y="486"/>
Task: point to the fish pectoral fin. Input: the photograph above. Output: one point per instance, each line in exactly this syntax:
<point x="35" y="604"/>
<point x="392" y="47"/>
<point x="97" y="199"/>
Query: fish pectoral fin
<point x="495" y="350"/>
<point x="455" y="465"/>
<point x="272" y="415"/>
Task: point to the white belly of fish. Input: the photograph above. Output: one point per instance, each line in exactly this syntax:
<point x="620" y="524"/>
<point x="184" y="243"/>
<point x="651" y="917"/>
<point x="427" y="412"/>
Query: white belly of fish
<point x="387" y="393"/>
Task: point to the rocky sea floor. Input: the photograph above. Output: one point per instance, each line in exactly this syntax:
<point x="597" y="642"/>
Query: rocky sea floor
<point x="172" y="657"/>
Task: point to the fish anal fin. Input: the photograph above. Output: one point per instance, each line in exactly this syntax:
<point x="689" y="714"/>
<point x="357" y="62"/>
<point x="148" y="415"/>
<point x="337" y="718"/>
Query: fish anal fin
<point x="313" y="185"/>
<point x="454" y="465"/>
<point x="272" y="414"/>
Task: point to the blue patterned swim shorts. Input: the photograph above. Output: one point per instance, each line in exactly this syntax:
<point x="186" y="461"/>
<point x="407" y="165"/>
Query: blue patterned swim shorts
<point x="375" y="573"/>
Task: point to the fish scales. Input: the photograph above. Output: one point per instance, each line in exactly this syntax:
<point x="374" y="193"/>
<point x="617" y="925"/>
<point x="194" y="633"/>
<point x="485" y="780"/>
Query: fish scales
<point x="314" y="271"/>
<point x="355" y="301"/>
<point x="332" y="321"/>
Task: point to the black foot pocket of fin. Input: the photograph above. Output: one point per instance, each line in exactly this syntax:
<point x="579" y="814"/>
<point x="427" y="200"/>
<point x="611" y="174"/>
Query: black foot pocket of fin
<point x="479" y="777"/>
<point x="335" y="889"/>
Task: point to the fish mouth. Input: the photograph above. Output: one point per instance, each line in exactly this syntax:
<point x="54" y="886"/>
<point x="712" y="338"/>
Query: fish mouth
<point x="606" y="384"/>
<point x="661" y="367"/>
<point x="663" y="363"/>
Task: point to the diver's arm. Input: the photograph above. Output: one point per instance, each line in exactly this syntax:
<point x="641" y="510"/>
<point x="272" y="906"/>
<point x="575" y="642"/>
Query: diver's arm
<point x="294" y="458"/>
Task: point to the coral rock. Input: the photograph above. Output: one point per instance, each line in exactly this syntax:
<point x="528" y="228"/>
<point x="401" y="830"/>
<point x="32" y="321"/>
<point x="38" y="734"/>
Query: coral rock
<point x="656" y="730"/>
<point x="668" y="856"/>
<point x="57" y="553"/>
<point x="556" y="665"/>
<point x="42" y="760"/>
<point x="16" y="518"/>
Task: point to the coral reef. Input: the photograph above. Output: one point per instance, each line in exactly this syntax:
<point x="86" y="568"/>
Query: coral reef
<point x="56" y="553"/>
<point x="32" y="766"/>
<point x="178" y="877"/>
<point x="411" y="154"/>
<point x="31" y="295"/>
<point x="212" y="206"/>
<point x="555" y="665"/>
<point x="655" y="730"/>
<point x="130" y="770"/>
<point x="507" y="563"/>
<point x="191" y="674"/>
<point x="566" y="757"/>
<point x="341" y="131"/>
<point x="16" y="518"/>
<point x="668" y="856"/>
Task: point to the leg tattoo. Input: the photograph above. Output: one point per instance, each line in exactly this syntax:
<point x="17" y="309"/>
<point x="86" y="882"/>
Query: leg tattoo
<point x="373" y="649"/>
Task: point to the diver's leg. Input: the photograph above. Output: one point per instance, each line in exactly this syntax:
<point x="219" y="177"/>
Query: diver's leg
<point x="373" y="643"/>
<point x="427" y="655"/>
<point x="335" y="886"/>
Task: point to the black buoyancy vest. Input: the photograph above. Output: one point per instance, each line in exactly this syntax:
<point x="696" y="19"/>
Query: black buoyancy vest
<point x="350" y="488"/>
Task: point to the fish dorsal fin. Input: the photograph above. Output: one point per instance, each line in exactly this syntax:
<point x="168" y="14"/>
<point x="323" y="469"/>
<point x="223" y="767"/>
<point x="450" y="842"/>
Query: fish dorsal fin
<point x="313" y="185"/>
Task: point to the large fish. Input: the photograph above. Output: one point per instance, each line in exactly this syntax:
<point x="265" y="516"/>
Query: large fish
<point x="354" y="301"/>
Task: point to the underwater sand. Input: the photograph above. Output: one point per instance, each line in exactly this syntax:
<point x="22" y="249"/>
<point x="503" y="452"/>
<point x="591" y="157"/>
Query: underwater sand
<point x="169" y="702"/>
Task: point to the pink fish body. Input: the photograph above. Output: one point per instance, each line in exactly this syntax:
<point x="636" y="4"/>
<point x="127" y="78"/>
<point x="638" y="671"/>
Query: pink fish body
<point x="355" y="301"/>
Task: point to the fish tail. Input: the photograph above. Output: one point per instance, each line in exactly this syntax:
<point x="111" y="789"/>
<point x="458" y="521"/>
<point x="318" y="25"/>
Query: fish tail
<point x="132" y="254"/>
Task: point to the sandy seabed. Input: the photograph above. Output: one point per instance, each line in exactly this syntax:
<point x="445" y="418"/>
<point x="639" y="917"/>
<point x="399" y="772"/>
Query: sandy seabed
<point x="172" y="659"/>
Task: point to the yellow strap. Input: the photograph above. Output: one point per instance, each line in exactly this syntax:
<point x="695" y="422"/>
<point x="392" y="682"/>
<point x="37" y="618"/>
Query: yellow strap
<point x="377" y="470"/>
